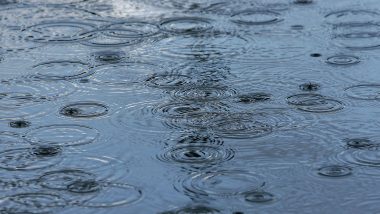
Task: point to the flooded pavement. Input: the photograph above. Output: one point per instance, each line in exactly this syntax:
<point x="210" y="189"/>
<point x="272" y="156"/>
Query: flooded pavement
<point x="173" y="106"/>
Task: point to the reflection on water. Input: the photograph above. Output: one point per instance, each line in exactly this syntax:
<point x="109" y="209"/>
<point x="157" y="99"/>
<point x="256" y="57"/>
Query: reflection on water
<point x="197" y="106"/>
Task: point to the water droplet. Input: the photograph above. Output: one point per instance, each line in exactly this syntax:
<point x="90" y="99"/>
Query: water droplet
<point x="315" y="55"/>
<point x="47" y="151"/>
<point x="303" y="1"/>
<point x="19" y="124"/>
<point x="309" y="86"/>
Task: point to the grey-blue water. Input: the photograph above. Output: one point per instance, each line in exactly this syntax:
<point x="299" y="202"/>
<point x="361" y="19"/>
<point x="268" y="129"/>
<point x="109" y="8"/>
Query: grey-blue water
<point x="198" y="106"/>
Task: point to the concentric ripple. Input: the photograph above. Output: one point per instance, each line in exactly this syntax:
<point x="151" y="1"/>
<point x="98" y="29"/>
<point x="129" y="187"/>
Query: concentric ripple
<point x="109" y="57"/>
<point x="131" y="30"/>
<point x="240" y="126"/>
<point x="198" y="155"/>
<point x="361" y="157"/>
<point x="84" y="187"/>
<point x="255" y="97"/>
<point x="364" y="92"/>
<point x="58" y="31"/>
<point x="62" y="70"/>
<point x="62" y="135"/>
<point x="11" y="140"/>
<point x="256" y="17"/>
<point x="203" y="93"/>
<point x="61" y="179"/>
<point x="335" y="171"/>
<point x="34" y="202"/>
<point x="114" y="194"/>
<point x="26" y="159"/>
<point x="357" y="36"/>
<point x="193" y="138"/>
<point x="16" y="93"/>
<point x="203" y="46"/>
<point x="343" y="60"/>
<point x="175" y="109"/>
<point x="258" y="196"/>
<point x="351" y="15"/>
<point x="315" y="103"/>
<point x="194" y="209"/>
<point x="101" y="38"/>
<point x="224" y="183"/>
<point x="360" y="143"/>
<point x="123" y="76"/>
<point x="188" y="25"/>
<point x="169" y="81"/>
<point x="84" y="110"/>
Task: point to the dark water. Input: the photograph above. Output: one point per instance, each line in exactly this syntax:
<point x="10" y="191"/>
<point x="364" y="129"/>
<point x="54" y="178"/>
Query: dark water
<point x="174" y="106"/>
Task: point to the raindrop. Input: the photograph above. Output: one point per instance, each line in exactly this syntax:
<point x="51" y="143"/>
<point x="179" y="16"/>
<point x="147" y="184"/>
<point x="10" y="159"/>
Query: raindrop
<point x="315" y="55"/>
<point x="310" y="86"/>
<point x="47" y="151"/>
<point x="19" y="124"/>
<point x="303" y="1"/>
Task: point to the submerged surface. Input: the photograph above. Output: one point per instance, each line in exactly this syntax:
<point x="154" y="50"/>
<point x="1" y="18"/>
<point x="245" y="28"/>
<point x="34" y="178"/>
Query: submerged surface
<point x="174" y="106"/>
